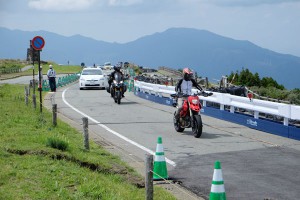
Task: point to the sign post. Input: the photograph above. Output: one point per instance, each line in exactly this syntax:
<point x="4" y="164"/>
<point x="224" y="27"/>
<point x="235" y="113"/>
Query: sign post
<point x="37" y="44"/>
<point x="30" y="56"/>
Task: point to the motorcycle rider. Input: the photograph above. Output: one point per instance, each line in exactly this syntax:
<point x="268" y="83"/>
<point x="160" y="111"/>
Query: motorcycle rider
<point x="184" y="86"/>
<point x="117" y="68"/>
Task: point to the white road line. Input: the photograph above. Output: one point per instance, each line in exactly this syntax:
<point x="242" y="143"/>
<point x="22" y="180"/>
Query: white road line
<point x="112" y="131"/>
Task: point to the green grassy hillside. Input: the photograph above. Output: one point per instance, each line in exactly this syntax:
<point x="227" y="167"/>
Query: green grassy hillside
<point x="40" y="161"/>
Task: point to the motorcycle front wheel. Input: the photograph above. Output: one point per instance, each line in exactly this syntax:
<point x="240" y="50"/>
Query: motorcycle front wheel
<point x="118" y="97"/>
<point x="197" y="126"/>
<point x="177" y="126"/>
<point x="112" y="94"/>
<point x="115" y="97"/>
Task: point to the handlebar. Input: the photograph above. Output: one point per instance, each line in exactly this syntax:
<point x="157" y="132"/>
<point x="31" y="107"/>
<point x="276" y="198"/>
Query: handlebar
<point x="180" y="95"/>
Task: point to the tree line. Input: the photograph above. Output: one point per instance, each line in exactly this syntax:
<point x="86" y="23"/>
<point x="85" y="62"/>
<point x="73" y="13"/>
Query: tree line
<point x="247" y="78"/>
<point x="266" y="86"/>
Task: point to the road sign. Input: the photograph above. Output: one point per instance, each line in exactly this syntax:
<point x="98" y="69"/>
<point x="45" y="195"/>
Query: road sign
<point x="38" y="43"/>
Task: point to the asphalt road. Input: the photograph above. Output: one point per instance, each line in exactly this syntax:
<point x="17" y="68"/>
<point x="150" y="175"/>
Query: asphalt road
<point x="255" y="165"/>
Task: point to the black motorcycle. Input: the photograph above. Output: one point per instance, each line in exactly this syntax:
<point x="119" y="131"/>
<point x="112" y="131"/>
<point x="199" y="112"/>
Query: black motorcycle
<point x="117" y="87"/>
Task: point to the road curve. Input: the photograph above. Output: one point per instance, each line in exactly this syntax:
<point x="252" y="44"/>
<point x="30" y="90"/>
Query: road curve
<point x="255" y="165"/>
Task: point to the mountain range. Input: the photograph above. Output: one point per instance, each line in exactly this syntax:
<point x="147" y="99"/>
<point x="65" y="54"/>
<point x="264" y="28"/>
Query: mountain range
<point x="209" y="54"/>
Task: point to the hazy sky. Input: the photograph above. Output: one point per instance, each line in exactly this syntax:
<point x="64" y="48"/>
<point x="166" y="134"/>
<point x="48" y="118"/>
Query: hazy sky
<point x="271" y="24"/>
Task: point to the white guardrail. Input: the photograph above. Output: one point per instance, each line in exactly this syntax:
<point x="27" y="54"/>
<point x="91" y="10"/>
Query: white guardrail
<point x="257" y="106"/>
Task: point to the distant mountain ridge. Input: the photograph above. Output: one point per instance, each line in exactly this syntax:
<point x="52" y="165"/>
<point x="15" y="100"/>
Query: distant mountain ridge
<point x="209" y="54"/>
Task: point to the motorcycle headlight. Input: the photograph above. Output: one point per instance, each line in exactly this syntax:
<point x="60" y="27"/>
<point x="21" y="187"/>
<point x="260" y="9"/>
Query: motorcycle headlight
<point x="195" y="101"/>
<point x="115" y="82"/>
<point x="121" y="82"/>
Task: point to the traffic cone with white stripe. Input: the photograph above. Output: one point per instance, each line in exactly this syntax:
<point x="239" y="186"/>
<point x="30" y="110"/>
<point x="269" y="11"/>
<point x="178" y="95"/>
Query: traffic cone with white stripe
<point x="217" y="191"/>
<point x="160" y="166"/>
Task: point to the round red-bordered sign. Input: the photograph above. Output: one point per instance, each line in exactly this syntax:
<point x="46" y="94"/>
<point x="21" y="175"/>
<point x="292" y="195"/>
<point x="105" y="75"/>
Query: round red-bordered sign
<point x="38" y="43"/>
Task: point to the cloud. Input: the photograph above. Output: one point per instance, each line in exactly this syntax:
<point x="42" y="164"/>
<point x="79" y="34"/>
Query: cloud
<point x="124" y="2"/>
<point x="144" y="6"/>
<point x="245" y="3"/>
<point x="60" y="5"/>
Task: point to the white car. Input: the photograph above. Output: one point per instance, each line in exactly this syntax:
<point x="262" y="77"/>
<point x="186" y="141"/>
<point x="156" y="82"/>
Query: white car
<point x="92" y="78"/>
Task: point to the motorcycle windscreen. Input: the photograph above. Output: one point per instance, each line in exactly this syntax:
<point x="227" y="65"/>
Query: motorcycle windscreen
<point x="118" y="77"/>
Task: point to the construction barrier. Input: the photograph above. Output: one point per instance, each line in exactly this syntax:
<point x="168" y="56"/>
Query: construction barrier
<point x="130" y="85"/>
<point x="61" y="81"/>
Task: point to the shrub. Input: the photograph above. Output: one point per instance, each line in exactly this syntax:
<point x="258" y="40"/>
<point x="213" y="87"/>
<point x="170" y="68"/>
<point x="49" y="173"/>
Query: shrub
<point x="57" y="143"/>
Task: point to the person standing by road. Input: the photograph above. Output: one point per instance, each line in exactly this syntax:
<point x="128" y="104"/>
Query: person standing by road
<point x="51" y="77"/>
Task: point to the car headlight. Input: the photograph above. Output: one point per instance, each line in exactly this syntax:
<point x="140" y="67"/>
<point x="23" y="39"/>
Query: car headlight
<point x="82" y="79"/>
<point x="115" y="82"/>
<point x="101" y="79"/>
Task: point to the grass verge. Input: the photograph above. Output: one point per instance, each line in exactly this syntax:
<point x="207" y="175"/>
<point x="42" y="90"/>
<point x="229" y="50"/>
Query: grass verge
<point x="33" y="168"/>
<point x="64" y="69"/>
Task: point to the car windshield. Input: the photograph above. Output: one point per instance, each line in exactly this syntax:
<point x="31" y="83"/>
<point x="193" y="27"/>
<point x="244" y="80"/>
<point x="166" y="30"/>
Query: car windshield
<point x="91" y="72"/>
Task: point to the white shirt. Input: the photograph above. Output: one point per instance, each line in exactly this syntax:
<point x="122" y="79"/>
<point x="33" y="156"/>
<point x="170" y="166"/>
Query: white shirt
<point x="186" y="87"/>
<point x="51" y="73"/>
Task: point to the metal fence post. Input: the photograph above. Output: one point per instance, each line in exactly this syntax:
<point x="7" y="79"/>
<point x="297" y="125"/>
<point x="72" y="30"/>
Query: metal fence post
<point x="26" y="95"/>
<point x="149" y="177"/>
<point x="86" y="133"/>
<point x="29" y="90"/>
<point x="34" y="100"/>
<point x="54" y="114"/>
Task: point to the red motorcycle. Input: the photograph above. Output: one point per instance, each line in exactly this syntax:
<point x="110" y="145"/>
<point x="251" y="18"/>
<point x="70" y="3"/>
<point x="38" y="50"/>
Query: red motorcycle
<point x="189" y="116"/>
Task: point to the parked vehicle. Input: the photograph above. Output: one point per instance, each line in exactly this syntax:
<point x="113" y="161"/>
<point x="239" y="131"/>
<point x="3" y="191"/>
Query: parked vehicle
<point x="189" y="114"/>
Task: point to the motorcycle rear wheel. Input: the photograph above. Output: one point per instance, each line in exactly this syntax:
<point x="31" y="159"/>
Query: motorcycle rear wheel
<point x="177" y="126"/>
<point x="197" y="126"/>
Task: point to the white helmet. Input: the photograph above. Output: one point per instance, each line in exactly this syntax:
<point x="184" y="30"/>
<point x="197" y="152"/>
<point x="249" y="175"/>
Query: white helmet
<point x="50" y="66"/>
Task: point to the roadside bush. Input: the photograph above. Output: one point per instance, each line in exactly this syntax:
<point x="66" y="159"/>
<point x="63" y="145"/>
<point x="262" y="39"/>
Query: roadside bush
<point x="294" y="96"/>
<point x="57" y="143"/>
<point x="270" y="92"/>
